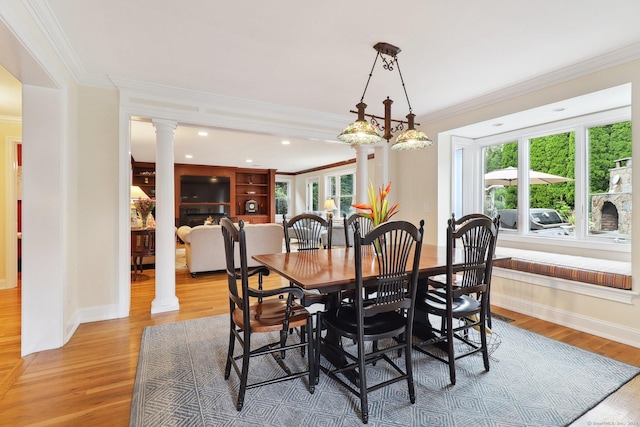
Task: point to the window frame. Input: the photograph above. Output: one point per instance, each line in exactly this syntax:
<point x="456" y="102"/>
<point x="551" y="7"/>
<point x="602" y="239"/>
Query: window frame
<point x="473" y="182"/>
<point x="289" y="182"/>
<point x="337" y="197"/>
<point x="309" y="193"/>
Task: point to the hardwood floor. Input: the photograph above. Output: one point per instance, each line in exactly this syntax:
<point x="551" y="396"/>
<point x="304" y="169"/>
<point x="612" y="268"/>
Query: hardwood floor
<point x="89" y="381"/>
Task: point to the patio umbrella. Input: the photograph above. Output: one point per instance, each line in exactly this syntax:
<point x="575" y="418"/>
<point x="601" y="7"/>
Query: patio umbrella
<point x="509" y="176"/>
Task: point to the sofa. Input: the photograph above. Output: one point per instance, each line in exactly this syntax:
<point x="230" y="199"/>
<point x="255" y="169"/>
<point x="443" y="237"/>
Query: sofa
<point x="204" y="246"/>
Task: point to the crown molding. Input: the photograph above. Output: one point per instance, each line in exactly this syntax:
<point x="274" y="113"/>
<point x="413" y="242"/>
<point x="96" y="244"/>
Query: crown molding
<point x="610" y="59"/>
<point x="195" y="107"/>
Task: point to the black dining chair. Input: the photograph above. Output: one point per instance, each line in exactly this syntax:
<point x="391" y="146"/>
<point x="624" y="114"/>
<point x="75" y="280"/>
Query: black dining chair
<point x="365" y="224"/>
<point x="462" y="303"/>
<point x="253" y="311"/>
<point x="382" y="309"/>
<point x="307" y="230"/>
<point x="440" y="280"/>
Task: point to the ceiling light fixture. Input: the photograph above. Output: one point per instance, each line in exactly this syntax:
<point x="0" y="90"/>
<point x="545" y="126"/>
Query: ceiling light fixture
<point x="203" y="133"/>
<point x="188" y="156"/>
<point x="286" y="142"/>
<point x="362" y="132"/>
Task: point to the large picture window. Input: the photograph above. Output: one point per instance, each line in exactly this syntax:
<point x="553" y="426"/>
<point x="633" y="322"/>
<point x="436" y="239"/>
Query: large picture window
<point x="571" y="180"/>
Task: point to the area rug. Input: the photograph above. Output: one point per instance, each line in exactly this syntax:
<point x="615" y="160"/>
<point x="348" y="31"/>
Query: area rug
<point x="533" y="381"/>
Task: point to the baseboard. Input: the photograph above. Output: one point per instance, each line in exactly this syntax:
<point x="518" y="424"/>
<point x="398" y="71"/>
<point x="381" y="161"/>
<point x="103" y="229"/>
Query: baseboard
<point x="598" y="327"/>
<point x="98" y="313"/>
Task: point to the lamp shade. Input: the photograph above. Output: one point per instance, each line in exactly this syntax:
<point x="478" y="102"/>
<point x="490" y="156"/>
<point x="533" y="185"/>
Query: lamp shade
<point x="411" y="139"/>
<point x="137" y="193"/>
<point x="330" y="205"/>
<point x="360" y="132"/>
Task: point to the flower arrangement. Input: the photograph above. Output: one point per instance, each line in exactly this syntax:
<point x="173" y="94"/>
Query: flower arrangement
<point x="145" y="206"/>
<point x="377" y="210"/>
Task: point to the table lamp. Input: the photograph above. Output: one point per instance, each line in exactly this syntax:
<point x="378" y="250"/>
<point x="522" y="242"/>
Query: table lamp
<point x="330" y="206"/>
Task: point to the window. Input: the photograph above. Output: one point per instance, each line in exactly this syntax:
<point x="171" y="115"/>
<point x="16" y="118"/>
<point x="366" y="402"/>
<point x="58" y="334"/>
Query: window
<point x="312" y="194"/>
<point x="341" y="189"/>
<point x="283" y="198"/>
<point x="571" y="180"/>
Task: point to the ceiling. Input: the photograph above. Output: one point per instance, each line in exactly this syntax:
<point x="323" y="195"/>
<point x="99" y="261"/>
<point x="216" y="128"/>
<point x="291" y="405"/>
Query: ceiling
<point x="316" y="56"/>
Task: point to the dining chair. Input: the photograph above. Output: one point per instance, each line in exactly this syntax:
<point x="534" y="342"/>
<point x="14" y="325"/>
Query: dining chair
<point x="440" y="280"/>
<point x="254" y="311"/>
<point x="464" y="297"/>
<point x="384" y="316"/>
<point x="364" y="223"/>
<point x="307" y="229"/>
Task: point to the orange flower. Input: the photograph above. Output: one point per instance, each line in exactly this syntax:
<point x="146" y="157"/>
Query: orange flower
<point x="378" y="210"/>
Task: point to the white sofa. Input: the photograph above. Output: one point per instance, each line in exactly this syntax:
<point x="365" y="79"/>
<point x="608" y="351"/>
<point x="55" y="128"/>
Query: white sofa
<point x="204" y="247"/>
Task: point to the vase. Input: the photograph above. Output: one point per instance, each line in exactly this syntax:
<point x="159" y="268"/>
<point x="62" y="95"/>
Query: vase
<point x="144" y="217"/>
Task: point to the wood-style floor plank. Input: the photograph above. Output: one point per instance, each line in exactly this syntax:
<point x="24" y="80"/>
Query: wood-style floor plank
<point x="90" y="380"/>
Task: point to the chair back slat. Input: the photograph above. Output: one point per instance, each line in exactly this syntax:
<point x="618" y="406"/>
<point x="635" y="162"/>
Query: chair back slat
<point x="478" y="239"/>
<point x="364" y="223"/>
<point x="393" y="244"/>
<point x="307" y="229"/>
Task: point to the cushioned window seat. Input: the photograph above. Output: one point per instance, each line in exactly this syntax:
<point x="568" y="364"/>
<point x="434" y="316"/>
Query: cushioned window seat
<point x="612" y="274"/>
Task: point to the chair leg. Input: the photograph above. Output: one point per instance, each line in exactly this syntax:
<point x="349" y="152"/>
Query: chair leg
<point x="311" y="356"/>
<point x="364" y="404"/>
<point x="450" y="351"/>
<point x="245" y="371"/>
<point x="483" y="342"/>
<point x="409" y="368"/>
<point x="232" y="341"/>
<point x="318" y="346"/>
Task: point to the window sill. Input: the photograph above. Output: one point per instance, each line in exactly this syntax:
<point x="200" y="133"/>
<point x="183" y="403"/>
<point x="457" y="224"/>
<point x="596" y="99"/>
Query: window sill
<point x="593" y="248"/>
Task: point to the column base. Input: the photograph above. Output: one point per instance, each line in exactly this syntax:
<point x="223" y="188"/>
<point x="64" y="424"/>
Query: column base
<point x="162" y="306"/>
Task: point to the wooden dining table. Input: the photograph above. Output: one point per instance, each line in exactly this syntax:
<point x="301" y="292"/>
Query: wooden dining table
<point x="333" y="270"/>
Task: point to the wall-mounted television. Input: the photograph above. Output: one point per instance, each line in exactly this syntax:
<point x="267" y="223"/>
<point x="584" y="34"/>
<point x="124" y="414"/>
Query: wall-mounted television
<point x="205" y="189"/>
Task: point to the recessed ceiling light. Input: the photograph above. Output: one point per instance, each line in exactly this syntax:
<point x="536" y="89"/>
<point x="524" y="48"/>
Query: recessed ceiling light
<point x="557" y="110"/>
<point x="497" y="124"/>
<point x="203" y="133"/>
<point x="286" y="142"/>
<point x="249" y="161"/>
<point x="188" y="156"/>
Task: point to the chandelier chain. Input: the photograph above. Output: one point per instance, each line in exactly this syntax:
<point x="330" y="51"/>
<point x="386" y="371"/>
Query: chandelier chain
<point x="370" y="75"/>
<point x="403" y="86"/>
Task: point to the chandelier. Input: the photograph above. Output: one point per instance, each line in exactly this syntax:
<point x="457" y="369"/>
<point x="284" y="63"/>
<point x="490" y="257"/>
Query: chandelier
<point x="362" y="132"/>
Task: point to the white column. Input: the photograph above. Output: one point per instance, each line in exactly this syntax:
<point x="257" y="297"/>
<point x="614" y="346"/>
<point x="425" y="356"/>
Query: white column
<point x="362" y="173"/>
<point x="382" y="165"/>
<point x="165" y="299"/>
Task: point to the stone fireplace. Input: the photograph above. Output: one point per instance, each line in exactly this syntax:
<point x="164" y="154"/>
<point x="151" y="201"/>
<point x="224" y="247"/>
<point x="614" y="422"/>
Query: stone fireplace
<point x="611" y="211"/>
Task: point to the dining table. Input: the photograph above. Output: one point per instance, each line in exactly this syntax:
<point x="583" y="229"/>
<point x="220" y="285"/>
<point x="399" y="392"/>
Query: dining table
<point x="332" y="271"/>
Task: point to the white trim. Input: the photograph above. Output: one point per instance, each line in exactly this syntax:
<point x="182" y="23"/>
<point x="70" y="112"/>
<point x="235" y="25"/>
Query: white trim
<point x="600" y="292"/>
<point x="11" y="216"/>
<point x="602" y="328"/>
<point x="98" y="313"/>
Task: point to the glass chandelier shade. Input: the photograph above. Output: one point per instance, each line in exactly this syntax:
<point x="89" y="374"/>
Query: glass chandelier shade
<point x="360" y="131"/>
<point x="411" y="138"/>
